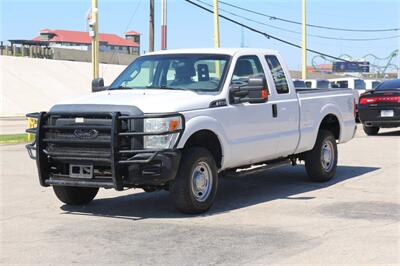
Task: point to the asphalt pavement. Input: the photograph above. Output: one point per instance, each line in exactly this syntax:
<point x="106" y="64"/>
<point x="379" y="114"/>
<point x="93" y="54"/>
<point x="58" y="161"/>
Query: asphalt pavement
<point x="274" y="217"/>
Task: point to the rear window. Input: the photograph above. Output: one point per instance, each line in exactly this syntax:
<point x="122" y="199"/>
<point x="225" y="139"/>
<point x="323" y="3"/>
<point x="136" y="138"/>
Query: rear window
<point x="323" y="84"/>
<point x="375" y="84"/>
<point x="389" y="85"/>
<point x="299" y="84"/>
<point x="342" y="84"/>
<point x="359" y="84"/>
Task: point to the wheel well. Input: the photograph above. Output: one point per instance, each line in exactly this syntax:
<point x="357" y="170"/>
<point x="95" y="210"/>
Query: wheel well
<point x="209" y="140"/>
<point x="331" y="123"/>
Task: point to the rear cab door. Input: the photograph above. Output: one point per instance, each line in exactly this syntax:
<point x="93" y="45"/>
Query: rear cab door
<point x="285" y="105"/>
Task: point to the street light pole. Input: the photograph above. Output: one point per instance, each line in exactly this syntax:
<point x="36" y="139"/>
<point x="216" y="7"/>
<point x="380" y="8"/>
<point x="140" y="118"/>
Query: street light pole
<point x="94" y="33"/>
<point x="304" y="42"/>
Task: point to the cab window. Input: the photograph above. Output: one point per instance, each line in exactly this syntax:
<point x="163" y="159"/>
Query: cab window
<point x="246" y="66"/>
<point x="278" y="74"/>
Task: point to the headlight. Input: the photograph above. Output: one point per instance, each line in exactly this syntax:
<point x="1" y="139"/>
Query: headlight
<point x="163" y="126"/>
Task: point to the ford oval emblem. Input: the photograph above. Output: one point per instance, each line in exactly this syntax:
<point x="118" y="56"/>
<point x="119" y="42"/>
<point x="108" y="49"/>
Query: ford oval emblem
<point x="86" y="134"/>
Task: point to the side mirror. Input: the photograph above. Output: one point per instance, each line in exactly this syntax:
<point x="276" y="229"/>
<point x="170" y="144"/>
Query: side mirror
<point x="255" y="91"/>
<point x="98" y="85"/>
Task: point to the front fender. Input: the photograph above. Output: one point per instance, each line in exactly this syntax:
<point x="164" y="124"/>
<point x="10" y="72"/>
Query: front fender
<point x="198" y="123"/>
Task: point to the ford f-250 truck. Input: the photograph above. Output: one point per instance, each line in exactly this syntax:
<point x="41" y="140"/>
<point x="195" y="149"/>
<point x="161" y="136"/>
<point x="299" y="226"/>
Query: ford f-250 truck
<point x="179" y="119"/>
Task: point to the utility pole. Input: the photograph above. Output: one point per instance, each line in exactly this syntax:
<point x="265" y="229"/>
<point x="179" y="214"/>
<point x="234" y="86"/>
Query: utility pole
<point x="151" y="27"/>
<point x="94" y="33"/>
<point x="304" y="43"/>
<point x="216" y="36"/>
<point x="216" y="24"/>
<point x="398" y="62"/>
<point x="163" y="24"/>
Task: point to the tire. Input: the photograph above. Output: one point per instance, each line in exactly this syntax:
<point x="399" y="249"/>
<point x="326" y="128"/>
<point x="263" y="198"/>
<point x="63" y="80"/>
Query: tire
<point x="75" y="195"/>
<point x="321" y="161"/>
<point x="187" y="195"/>
<point x="149" y="189"/>
<point x="371" y="131"/>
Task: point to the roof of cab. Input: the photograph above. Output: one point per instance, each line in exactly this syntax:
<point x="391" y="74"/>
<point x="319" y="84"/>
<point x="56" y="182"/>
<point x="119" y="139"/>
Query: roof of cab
<point x="227" y="51"/>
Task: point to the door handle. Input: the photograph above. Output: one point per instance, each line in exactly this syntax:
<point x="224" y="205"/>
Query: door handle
<point x="274" y="110"/>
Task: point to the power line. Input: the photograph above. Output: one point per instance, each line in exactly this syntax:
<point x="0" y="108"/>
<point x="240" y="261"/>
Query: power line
<point x="264" y="33"/>
<point x="309" y="25"/>
<point x="297" y="32"/>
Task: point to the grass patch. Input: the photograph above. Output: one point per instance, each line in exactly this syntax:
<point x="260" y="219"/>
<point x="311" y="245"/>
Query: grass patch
<point x="13" y="138"/>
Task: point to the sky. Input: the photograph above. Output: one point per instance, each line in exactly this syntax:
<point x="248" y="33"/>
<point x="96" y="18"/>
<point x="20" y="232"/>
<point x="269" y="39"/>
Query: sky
<point x="190" y="27"/>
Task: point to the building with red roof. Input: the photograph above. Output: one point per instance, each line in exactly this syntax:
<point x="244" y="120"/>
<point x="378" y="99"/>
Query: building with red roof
<point x="81" y="40"/>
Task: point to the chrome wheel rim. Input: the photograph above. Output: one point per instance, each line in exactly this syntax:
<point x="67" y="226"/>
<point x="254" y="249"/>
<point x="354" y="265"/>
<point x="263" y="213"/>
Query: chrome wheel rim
<point x="327" y="155"/>
<point x="201" y="181"/>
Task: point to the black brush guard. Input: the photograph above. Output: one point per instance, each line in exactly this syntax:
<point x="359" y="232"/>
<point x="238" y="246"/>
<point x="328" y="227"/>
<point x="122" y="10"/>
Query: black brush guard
<point x="116" y="158"/>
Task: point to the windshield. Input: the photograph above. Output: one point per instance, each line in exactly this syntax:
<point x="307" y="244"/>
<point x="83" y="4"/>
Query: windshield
<point x="389" y="85"/>
<point x="198" y="72"/>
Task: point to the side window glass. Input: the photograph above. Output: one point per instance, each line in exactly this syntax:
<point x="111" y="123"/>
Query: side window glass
<point x="343" y="84"/>
<point x="246" y="66"/>
<point x="359" y="84"/>
<point x="278" y="74"/>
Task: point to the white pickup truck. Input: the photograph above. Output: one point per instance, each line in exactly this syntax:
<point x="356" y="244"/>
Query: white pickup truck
<point x="179" y="119"/>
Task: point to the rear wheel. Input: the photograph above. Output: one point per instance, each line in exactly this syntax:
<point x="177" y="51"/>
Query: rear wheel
<point x="371" y="131"/>
<point x="195" y="186"/>
<point x="75" y="195"/>
<point x="321" y="161"/>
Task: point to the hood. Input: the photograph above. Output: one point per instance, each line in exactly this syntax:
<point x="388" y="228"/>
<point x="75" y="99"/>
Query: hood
<point x="148" y="101"/>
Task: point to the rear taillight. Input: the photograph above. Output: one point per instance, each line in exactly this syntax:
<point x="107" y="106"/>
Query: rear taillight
<point x="380" y="99"/>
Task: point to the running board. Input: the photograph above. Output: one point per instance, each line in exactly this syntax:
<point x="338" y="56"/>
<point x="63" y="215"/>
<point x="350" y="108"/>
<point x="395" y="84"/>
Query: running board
<point x="258" y="168"/>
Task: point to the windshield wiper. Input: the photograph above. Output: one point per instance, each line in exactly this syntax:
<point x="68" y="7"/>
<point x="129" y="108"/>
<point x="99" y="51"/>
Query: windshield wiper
<point x="163" y="87"/>
<point x="121" y="88"/>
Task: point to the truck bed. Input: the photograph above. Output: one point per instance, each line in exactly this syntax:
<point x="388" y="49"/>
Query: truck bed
<point x="324" y="101"/>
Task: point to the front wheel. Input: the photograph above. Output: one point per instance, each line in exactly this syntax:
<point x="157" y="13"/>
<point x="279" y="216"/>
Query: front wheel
<point x="321" y="161"/>
<point x="195" y="186"/>
<point x="371" y="131"/>
<point x="75" y="195"/>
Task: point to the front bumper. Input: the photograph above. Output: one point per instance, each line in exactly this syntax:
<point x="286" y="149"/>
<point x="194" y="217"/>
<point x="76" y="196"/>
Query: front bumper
<point x="116" y="156"/>
<point x="371" y="116"/>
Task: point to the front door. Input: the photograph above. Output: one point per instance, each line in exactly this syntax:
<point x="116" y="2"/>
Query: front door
<point x="249" y="127"/>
